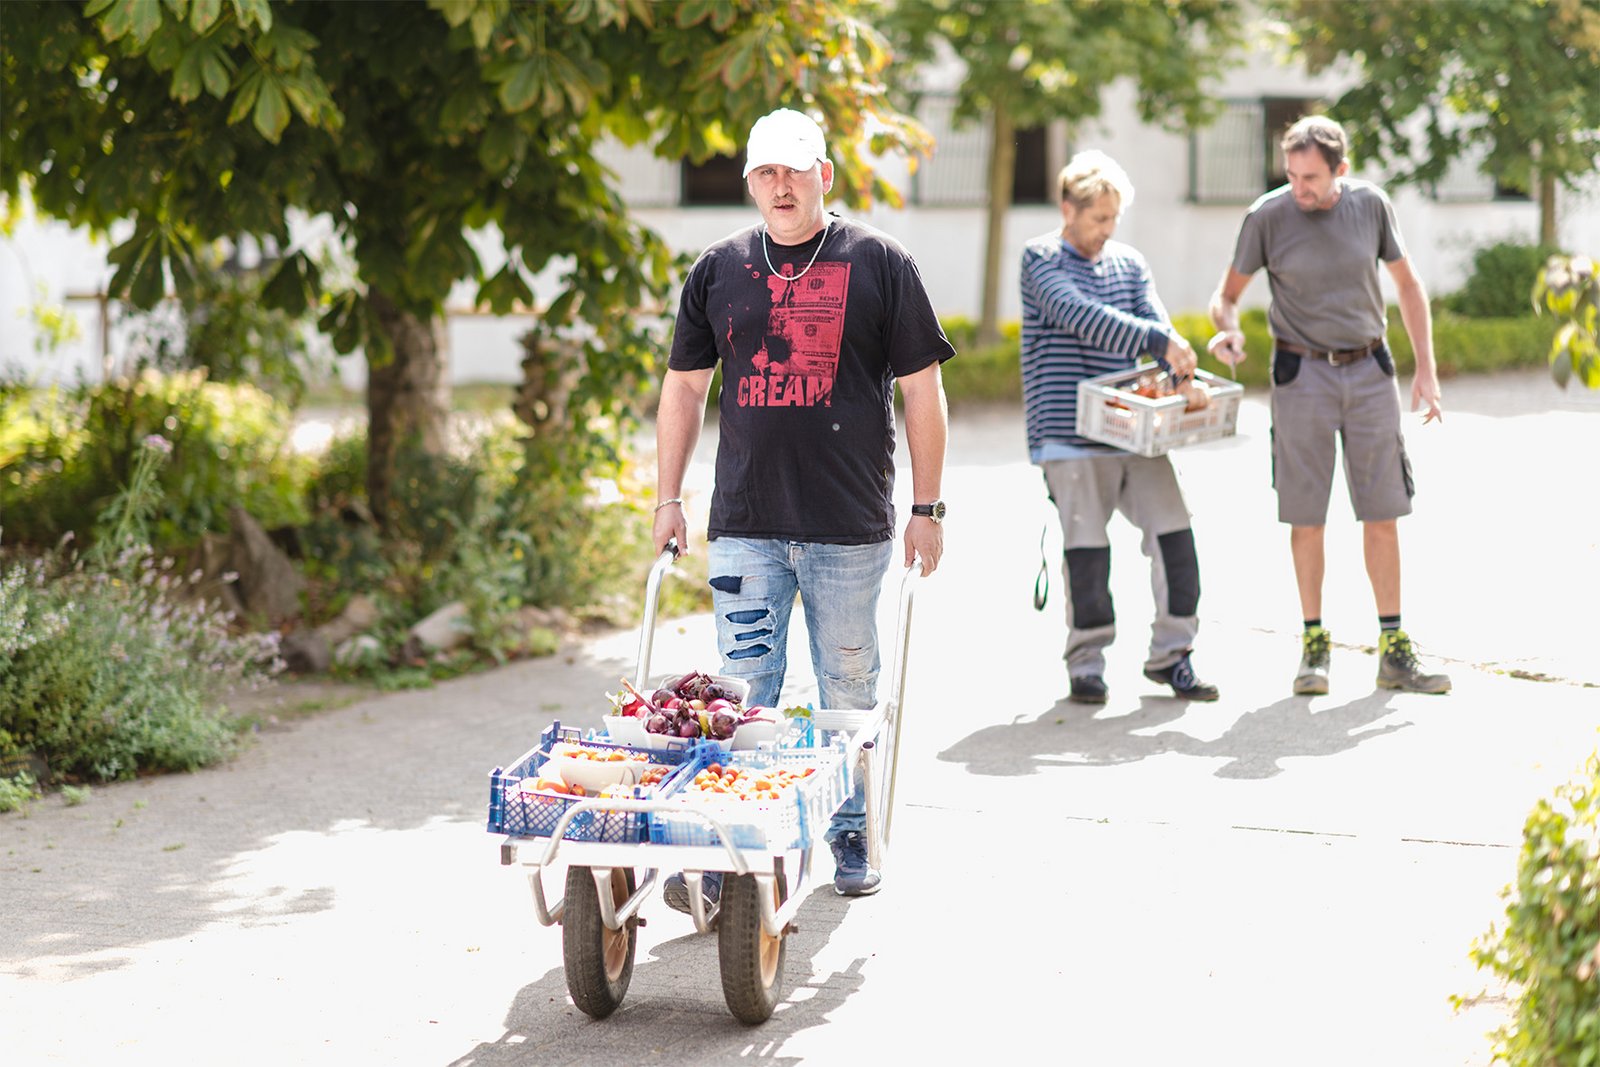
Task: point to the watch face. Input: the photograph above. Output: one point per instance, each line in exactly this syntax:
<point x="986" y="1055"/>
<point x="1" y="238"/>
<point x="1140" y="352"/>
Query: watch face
<point x="938" y="511"/>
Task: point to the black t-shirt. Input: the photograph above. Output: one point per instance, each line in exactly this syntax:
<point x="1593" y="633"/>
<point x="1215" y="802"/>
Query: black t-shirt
<point x="808" y="367"/>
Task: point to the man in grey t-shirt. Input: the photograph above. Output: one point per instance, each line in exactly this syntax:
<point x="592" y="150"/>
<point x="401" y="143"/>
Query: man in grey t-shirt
<point x="1320" y="239"/>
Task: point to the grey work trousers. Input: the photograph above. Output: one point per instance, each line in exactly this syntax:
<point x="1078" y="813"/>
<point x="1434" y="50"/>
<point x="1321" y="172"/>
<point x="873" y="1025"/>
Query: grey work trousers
<point x="1086" y="492"/>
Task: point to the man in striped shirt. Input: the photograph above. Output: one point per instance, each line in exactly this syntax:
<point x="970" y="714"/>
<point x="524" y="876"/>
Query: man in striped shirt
<point x="1089" y="307"/>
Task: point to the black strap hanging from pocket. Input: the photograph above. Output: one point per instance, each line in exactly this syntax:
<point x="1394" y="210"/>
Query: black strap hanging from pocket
<point x="1041" y="584"/>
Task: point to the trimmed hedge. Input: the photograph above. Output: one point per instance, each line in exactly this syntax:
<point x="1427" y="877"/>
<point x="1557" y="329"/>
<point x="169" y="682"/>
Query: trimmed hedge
<point x="993" y="373"/>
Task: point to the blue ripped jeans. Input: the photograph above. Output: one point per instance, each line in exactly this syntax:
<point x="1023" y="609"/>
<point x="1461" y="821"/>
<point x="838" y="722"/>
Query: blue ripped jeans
<point x="753" y="586"/>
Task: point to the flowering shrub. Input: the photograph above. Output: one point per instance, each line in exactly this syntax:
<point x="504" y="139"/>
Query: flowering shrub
<point x="108" y="673"/>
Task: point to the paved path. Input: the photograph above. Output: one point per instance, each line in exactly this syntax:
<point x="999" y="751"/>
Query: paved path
<point x="1265" y="880"/>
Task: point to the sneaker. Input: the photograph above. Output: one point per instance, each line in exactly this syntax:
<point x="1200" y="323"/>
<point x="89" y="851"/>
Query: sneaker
<point x="1313" y="677"/>
<point x="675" y="891"/>
<point x="1183" y="681"/>
<point x="1397" y="666"/>
<point x="852" y="877"/>
<point x="1088" y="689"/>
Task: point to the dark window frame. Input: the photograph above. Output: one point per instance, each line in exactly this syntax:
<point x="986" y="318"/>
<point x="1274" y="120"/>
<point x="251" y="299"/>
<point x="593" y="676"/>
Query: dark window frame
<point x="718" y="182"/>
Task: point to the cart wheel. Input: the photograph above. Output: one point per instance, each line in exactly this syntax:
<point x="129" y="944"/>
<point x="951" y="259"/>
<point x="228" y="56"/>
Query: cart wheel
<point x="752" y="960"/>
<point x="599" y="962"/>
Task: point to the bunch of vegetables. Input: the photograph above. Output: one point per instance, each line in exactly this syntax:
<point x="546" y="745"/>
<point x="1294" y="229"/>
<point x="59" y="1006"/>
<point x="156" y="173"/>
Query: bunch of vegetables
<point x="695" y="705"/>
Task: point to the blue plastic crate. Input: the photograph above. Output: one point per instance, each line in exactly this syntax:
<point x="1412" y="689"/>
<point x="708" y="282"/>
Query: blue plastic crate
<point x="789" y="822"/>
<point x="520" y="814"/>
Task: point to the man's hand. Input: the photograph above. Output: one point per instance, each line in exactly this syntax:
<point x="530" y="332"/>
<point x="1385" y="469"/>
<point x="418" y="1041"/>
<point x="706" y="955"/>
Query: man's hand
<point x="925" y="541"/>
<point x="670" y="523"/>
<point x="1425" y="394"/>
<point x="1227" y="346"/>
<point x="1181" y="360"/>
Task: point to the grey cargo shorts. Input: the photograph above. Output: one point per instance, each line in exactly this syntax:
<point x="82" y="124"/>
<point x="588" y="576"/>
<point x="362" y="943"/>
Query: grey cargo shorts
<point x="1315" y="404"/>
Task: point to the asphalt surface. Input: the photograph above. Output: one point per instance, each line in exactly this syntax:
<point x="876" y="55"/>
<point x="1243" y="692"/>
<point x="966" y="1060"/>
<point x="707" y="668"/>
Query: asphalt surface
<point x="1265" y="880"/>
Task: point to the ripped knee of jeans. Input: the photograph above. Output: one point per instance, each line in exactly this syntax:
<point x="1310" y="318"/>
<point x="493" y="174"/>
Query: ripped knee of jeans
<point x="853" y="667"/>
<point x="748" y="644"/>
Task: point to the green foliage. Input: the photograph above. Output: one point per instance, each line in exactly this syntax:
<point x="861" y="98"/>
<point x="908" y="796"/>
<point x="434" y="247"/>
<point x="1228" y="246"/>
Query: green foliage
<point x="65" y="454"/>
<point x="1497" y="287"/>
<point x="18" y="791"/>
<point x="126" y="520"/>
<point x="1569" y="288"/>
<point x="1041" y="60"/>
<point x="106" y="675"/>
<point x="1447" y="63"/>
<point x="985" y="374"/>
<point x="410" y="126"/>
<point x="229" y="325"/>
<point x="1031" y="62"/>
<point x="504" y="521"/>
<point x="992" y="373"/>
<point x="1549" y="947"/>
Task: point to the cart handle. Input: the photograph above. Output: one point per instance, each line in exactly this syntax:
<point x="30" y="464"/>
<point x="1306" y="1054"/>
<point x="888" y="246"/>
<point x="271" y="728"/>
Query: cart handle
<point x="652" y="594"/>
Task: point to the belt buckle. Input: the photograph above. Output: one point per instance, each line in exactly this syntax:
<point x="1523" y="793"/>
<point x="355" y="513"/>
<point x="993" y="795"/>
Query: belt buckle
<point x="1343" y="359"/>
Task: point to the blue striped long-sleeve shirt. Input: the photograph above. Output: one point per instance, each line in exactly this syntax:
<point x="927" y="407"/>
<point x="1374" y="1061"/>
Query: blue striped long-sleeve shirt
<point x="1079" y="320"/>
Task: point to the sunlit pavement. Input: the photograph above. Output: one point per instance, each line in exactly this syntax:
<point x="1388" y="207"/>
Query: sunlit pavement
<point x="1264" y="880"/>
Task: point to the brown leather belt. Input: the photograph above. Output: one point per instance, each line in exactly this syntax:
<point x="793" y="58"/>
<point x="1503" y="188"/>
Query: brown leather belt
<point x="1337" y="357"/>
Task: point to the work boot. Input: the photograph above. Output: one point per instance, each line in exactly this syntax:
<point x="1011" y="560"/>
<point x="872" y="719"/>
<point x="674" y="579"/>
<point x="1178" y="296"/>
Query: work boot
<point x="852" y="876"/>
<point x="1313" y="677"/>
<point x="675" y="891"/>
<point x="1182" y="678"/>
<point x="1397" y="666"/>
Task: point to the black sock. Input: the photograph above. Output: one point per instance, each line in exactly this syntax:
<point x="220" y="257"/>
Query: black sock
<point x="1313" y="624"/>
<point x="1388" y="622"/>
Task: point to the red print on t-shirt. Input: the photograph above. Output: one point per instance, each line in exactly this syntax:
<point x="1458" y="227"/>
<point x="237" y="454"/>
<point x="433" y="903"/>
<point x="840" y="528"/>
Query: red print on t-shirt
<point x="799" y="355"/>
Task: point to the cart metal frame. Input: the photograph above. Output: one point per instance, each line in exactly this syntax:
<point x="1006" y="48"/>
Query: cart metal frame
<point x="872" y="750"/>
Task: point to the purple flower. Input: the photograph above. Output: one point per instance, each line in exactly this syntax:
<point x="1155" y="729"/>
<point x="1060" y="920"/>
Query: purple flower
<point x="156" y="443"/>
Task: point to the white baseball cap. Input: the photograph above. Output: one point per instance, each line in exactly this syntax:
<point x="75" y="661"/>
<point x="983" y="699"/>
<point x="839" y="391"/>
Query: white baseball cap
<point x="785" y="137"/>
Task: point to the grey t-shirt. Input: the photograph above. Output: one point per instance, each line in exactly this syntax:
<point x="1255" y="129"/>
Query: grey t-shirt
<point x="1322" y="265"/>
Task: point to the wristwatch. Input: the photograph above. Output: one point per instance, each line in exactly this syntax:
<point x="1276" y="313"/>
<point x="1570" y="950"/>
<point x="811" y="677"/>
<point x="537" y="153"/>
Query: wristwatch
<point x="934" y="511"/>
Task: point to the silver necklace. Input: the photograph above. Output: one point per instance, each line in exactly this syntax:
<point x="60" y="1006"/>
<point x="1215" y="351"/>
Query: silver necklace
<point x="793" y="277"/>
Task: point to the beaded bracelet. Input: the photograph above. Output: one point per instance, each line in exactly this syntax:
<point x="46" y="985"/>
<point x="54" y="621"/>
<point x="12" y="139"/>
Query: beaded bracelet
<point x="674" y="500"/>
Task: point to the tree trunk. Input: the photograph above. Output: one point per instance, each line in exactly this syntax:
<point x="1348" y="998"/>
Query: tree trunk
<point x="1002" y="174"/>
<point x="1547" y="208"/>
<point x="408" y="396"/>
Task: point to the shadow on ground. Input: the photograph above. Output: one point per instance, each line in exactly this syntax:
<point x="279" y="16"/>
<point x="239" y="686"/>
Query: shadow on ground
<point x="680" y="980"/>
<point x="1077" y="735"/>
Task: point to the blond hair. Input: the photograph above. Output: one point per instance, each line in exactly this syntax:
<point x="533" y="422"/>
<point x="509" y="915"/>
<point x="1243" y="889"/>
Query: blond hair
<point x="1091" y="174"/>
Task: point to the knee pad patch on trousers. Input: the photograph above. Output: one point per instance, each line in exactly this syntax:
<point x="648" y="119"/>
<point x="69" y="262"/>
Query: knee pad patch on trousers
<point x="1183" y="572"/>
<point x="1089" y="584"/>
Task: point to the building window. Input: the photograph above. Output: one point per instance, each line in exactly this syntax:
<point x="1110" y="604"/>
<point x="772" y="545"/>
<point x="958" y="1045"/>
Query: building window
<point x="718" y="182"/>
<point x="1236" y="158"/>
<point x="957" y="175"/>
<point x="957" y="172"/>
<point x="1464" y="181"/>
<point x="1032" y="180"/>
<point x="1278" y="114"/>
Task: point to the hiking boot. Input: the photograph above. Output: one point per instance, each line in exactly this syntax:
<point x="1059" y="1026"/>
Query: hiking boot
<point x="1312" y="680"/>
<point x="675" y="891"/>
<point x="852" y="877"/>
<point x="1397" y="666"/>
<point x="1183" y="681"/>
<point x="1088" y="689"/>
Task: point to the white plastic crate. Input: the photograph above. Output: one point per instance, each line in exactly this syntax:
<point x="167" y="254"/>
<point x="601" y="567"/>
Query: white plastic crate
<point x="1110" y="411"/>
